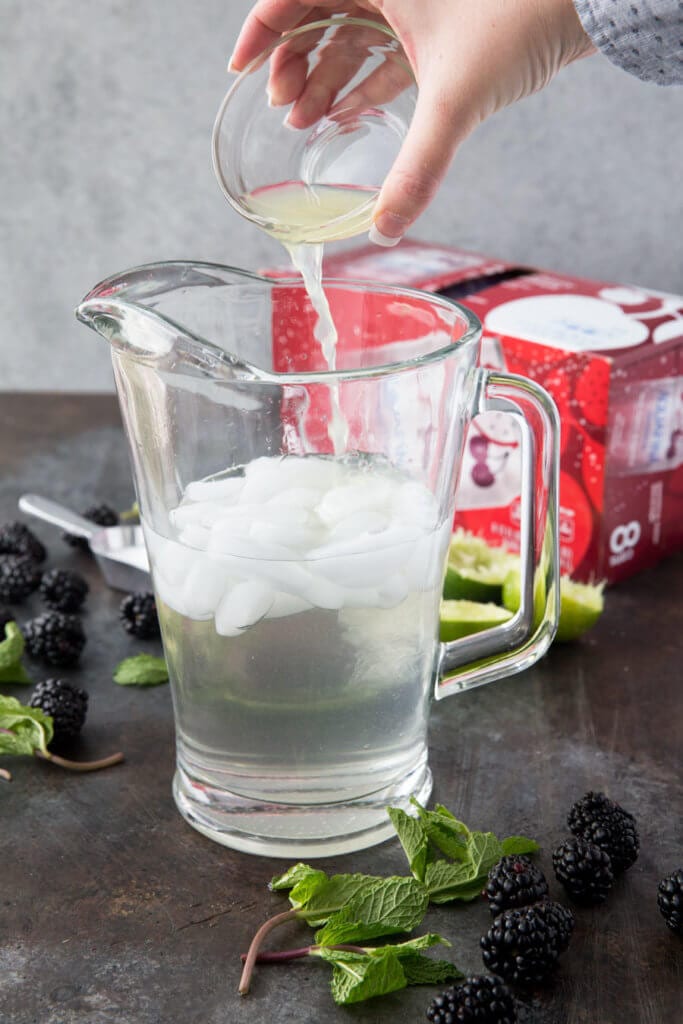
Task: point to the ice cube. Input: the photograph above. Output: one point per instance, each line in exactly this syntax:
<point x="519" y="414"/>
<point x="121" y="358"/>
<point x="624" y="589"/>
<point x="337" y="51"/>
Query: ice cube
<point x="226" y="490"/>
<point x="309" y="471"/>
<point x="195" y="536"/>
<point x="306" y="497"/>
<point x="361" y="561"/>
<point x="202" y="513"/>
<point x="287" y="604"/>
<point x="414" y="503"/>
<point x="361" y="597"/>
<point x="349" y="499"/>
<point x="204" y="586"/>
<point x="171" y="594"/>
<point x="324" y="593"/>
<point x="225" y="540"/>
<point x="367" y="520"/>
<point x="171" y="560"/>
<point x="293" y="534"/>
<point x="393" y="591"/>
<point x="243" y="605"/>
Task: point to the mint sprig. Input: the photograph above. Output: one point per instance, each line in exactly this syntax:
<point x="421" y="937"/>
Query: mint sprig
<point x="28" y="731"/>
<point x="451" y="860"/>
<point x="448" y="861"/>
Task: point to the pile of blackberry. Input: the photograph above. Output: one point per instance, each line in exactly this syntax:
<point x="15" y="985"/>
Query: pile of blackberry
<point x="19" y="577"/>
<point x="605" y="844"/>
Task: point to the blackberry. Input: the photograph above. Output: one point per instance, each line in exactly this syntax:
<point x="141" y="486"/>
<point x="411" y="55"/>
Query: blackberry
<point x="523" y="945"/>
<point x="602" y="822"/>
<point x="585" y="870"/>
<point x="67" y="705"/>
<point x="63" y="590"/>
<point x="514" y="882"/>
<point x="560" y="918"/>
<point x="54" y="638"/>
<point x="19" y="577"/>
<point x="670" y="900"/>
<point x="17" y="539"/>
<point x="480" y="999"/>
<point x="102" y="515"/>
<point x="5" y="616"/>
<point x="138" y="614"/>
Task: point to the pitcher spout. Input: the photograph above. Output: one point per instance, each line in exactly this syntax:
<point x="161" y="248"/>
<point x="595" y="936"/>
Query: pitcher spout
<point x="178" y="315"/>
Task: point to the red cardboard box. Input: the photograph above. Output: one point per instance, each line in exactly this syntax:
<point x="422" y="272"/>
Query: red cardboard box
<point x="612" y="358"/>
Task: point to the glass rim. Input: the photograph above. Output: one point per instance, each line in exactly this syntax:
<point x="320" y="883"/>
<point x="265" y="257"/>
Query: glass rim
<point x="95" y="302"/>
<point x="253" y="65"/>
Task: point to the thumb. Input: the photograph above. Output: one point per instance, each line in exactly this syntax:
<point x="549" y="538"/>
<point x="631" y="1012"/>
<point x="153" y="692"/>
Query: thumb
<point x="440" y="123"/>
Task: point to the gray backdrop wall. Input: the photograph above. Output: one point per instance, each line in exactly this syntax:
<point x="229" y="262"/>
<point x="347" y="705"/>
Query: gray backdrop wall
<point x="105" y="121"/>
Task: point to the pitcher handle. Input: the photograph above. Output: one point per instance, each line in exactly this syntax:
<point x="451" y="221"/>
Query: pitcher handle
<point x="519" y="642"/>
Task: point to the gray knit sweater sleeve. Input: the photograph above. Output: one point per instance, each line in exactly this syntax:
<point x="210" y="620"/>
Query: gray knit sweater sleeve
<point x="644" y="37"/>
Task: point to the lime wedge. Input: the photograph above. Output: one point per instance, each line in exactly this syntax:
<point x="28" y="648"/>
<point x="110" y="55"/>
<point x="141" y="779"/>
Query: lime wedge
<point x="476" y="571"/>
<point x="581" y="605"/>
<point x="512" y="596"/>
<point x="461" y="618"/>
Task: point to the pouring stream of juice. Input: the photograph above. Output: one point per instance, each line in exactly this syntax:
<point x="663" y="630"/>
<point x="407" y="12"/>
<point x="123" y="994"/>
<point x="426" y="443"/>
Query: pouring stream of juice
<point x="302" y="217"/>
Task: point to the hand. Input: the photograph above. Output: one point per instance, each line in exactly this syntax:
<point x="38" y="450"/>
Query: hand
<point x="470" y="58"/>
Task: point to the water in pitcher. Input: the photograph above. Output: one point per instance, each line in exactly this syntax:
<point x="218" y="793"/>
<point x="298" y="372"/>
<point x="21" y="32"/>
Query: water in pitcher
<point x="297" y="601"/>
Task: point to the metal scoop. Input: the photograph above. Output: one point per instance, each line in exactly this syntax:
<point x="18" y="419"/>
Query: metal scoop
<point x="119" y="550"/>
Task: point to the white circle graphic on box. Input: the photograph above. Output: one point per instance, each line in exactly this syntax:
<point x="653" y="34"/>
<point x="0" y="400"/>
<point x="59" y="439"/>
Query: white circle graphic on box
<point x="578" y="323"/>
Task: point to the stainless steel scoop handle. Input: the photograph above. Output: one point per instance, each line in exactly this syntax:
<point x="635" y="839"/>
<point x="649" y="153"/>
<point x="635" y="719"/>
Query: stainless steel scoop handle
<point x="52" y="512"/>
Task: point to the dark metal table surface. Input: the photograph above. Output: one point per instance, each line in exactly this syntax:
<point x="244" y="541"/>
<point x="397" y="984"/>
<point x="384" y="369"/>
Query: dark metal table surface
<point x="114" y="911"/>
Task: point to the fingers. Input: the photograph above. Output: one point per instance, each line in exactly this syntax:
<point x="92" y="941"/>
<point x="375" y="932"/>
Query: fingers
<point x="289" y="62"/>
<point x="441" y="121"/>
<point x="264" y="25"/>
<point x="339" y="61"/>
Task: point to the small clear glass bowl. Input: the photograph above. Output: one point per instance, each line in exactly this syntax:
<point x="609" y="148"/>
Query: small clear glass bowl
<point x="304" y="138"/>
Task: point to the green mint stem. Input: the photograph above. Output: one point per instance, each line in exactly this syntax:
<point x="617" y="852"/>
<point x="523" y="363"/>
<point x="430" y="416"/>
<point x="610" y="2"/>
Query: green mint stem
<point x="253" y="951"/>
<point x="283" y="955"/>
<point x="81" y="766"/>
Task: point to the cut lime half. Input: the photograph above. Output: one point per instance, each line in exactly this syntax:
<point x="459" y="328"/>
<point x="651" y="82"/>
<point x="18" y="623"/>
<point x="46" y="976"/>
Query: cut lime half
<point x="462" y="618"/>
<point x="476" y="571"/>
<point x="581" y="605"/>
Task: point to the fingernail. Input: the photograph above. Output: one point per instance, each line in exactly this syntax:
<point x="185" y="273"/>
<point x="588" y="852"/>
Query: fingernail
<point x="376" y="236"/>
<point x="231" y="64"/>
<point x="388" y="229"/>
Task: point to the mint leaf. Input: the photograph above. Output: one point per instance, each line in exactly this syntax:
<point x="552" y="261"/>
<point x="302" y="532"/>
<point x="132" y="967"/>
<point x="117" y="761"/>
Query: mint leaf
<point x="519" y="844"/>
<point x="420" y="970"/>
<point x="446" y="881"/>
<point x="11" y="650"/>
<point x="387" y="906"/>
<point x="14" y="674"/>
<point x="142" y="670"/>
<point x="446" y="834"/>
<point x="334" y="894"/>
<point x="306" y="888"/>
<point x="484" y="850"/>
<point x="289" y="878"/>
<point x="23" y="730"/>
<point x="411" y="946"/>
<point x="464" y="880"/>
<point x="356" y="977"/>
<point x="413" y="839"/>
<point x="12" y="647"/>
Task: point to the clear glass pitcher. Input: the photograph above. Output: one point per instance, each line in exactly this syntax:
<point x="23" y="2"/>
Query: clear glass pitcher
<point x="297" y="521"/>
